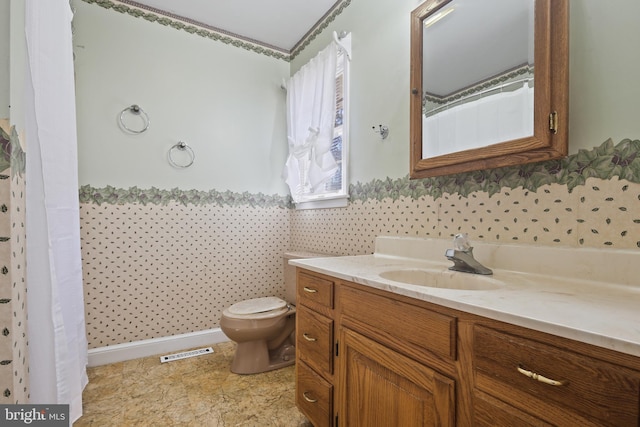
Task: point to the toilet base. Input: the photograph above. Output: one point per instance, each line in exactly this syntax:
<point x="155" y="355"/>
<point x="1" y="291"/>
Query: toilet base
<point x="254" y="357"/>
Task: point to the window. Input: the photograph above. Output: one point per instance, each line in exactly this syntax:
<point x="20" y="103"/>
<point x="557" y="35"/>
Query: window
<point x="335" y="191"/>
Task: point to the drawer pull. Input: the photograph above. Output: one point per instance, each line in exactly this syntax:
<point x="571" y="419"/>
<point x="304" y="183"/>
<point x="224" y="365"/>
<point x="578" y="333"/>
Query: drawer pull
<point x="310" y="290"/>
<point x="540" y="378"/>
<point x="308" y="399"/>
<point x="308" y="338"/>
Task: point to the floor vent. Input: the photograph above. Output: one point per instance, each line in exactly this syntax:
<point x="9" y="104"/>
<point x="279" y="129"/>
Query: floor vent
<point x="186" y="354"/>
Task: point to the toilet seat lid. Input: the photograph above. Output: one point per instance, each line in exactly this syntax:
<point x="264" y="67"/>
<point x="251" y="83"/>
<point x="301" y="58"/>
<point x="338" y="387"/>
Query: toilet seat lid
<point x="257" y="305"/>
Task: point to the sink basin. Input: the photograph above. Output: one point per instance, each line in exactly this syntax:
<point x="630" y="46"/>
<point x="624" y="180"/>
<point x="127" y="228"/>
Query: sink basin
<point x="443" y="279"/>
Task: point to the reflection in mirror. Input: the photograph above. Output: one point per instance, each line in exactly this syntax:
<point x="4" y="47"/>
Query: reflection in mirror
<point x="478" y="92"/>
<point x="489" y="82"/>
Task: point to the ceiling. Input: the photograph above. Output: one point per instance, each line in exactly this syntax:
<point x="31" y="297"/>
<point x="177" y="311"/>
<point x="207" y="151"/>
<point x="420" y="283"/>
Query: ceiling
<point x="274" y="23"/>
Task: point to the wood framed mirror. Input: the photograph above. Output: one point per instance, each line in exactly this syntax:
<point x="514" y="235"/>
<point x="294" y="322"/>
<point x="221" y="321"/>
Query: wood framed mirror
<point x="463" y="91"/>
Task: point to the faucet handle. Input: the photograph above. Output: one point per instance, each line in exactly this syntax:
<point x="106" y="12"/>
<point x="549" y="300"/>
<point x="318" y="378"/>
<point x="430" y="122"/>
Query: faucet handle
<point x="461" y="242"/>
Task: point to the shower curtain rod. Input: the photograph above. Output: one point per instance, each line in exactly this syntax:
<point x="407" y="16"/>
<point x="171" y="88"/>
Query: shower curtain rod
<point x="338" y="40"/>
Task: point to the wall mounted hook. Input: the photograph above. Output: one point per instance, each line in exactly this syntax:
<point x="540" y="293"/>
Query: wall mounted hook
<point x="382" y="130"/>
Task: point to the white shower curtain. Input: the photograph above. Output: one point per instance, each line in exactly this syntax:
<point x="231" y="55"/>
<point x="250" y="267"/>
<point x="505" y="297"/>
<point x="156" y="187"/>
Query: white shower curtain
<point x="56" y="325"/>
<point x="311" y="105"/>
<point x="498" y="117"/>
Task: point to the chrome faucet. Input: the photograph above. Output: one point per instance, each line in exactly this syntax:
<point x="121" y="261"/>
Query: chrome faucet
<point x="462" y="257"/>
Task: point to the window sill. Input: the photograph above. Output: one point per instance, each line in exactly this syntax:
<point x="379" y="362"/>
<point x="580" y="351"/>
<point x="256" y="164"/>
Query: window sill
<point x="341" y="202"/>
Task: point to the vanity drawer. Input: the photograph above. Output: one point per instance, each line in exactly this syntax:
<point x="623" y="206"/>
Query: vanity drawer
<point x="399" y="322"/>
<point x="314" y="396"/>
<point x="314" y="289"/>
<point x="314" y="339"/>
<point x="515" y="370"/>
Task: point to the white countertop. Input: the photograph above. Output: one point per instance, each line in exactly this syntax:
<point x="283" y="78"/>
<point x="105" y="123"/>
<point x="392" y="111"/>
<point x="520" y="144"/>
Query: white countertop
<point x="574" y="306"/>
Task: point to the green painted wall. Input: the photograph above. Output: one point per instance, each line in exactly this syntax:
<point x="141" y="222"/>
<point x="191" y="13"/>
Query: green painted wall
<point x="604" y="64"/>
<point x="224" y="101"/>
<point x="4" y="59"/>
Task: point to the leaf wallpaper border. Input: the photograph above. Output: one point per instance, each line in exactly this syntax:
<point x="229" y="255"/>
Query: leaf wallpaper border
<point x="138" y="10"/>
<point x="11" y="153"/>
<point x="606" y="161"/>
<point x="156" y="196"/>
<point x="319" y="28"/>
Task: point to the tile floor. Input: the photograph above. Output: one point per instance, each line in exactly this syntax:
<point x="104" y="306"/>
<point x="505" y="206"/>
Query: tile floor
<point x="198" y="391"/>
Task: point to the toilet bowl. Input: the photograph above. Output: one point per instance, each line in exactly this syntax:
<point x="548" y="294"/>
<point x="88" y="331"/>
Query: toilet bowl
<point x="264" y="328"/>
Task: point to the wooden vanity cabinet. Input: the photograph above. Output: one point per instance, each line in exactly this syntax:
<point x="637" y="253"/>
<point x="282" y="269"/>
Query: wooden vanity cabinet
<point x="382" y="359"/>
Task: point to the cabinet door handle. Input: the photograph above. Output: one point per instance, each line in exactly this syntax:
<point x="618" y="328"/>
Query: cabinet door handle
<point x="541" y="378"/>
<point x="307" y="398"/>
<point x="310" y="290"/>
<point x="308" y="338"/>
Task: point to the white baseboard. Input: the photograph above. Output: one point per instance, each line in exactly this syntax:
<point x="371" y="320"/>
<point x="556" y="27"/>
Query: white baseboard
<point x="156" y="346"/>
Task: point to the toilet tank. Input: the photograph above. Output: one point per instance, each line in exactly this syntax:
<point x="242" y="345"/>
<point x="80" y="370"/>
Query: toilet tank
<point x="290" y="271"/>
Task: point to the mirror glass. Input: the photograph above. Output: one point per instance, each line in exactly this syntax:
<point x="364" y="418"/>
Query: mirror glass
<point x="489" y="84"/>
<point x="477" y="71"/>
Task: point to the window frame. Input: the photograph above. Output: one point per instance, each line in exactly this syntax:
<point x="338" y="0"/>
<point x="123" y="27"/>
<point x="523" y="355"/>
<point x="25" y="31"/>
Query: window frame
<point x="338" y="198"/>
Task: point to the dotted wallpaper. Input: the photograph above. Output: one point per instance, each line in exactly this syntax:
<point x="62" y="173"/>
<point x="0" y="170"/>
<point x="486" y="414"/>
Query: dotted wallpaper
<point x="13" y="328"/>
<point x="164" y="262"/>
<point x="6" y="353"/>
<point x="157" y="270"/>
<point x="19" y="340"/>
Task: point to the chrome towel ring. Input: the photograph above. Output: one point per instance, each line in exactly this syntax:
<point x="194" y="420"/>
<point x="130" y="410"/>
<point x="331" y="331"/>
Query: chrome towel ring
<point x="138" y="111"/>
<point x="182" y="146"/>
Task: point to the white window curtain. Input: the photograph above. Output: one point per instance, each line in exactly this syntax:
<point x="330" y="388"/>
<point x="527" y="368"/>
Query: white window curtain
<point x="311" y="108"/>
<point x="55" y="303"/>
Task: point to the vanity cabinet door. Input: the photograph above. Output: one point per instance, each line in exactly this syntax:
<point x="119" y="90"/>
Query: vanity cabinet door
<point x="380" y="387"/>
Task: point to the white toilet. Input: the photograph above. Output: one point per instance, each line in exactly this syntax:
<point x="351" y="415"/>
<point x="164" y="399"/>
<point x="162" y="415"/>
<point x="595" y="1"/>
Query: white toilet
<point x="264" y="328"/>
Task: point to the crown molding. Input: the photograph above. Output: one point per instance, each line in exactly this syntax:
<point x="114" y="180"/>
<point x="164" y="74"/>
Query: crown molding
<point x="138" y="10"/>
